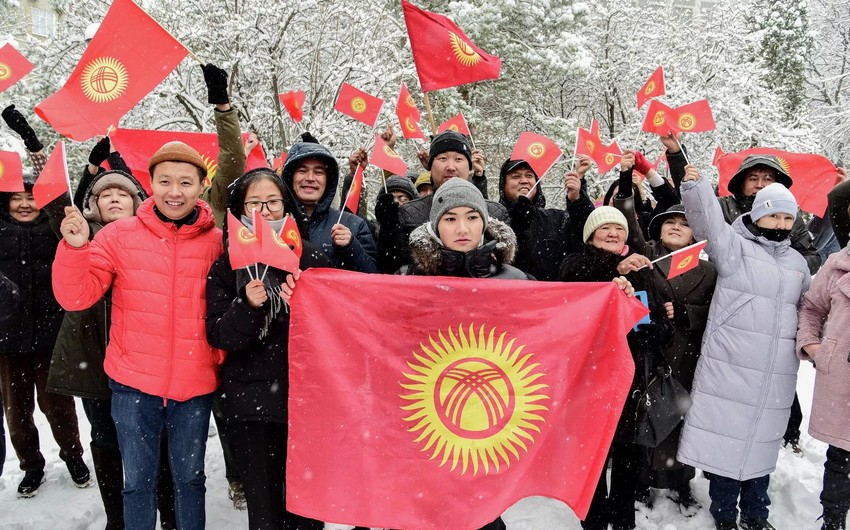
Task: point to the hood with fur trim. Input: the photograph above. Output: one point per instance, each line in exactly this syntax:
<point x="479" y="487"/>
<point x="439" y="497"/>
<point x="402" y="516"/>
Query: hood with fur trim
<point x="432" y="258"/>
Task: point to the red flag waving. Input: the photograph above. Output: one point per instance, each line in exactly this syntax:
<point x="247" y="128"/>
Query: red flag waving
<point x="293" y="101"/>
<point x="274" y="250"/>
<point x="718" y="152"/>
<point x="540" y="152"/>
<point x="443" y="54"/>
<point x="461" y="411"/>
<point x="359" y="105"/>
<point x="813" y="176"/>
<point x="695" y="117"/>
<point x="653" y="87"/>
<point x="657" y="117"/>
<point x="456" y="123"/>
<point x="387" y="159"/>
<point x="588" y="144"/>
<point x="608" y="158"/>
<point x="408" y="115"/>
<point x="129" y="55"/>
<point x="53" y="180"/>
<point x="13" y="66"/>
<point x="243" y="247"/>
<point x="685" y="259"/>
<point x="352" y="200"/>
<point x="11" y="172"/>
<point x="137" y="146"/>
<point x="594" y="128"/>
<point x="290" y="234"/>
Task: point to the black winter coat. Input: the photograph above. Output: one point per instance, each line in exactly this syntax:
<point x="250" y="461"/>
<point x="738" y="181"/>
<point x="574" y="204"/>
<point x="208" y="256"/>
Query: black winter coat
<point x="26" y="257"/>
<point x="9" y="297"/>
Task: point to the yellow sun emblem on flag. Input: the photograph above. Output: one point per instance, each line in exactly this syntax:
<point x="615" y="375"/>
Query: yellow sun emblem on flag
<point x="410" y="102"/>
<point x="591" y="146"/>
<point x="389" y="152"/>
<point x="685" y="262"/>
<point x="649" y="88"/>
<point x="658" y="119"/>
<point x="104" y="79"/>
<point x="687" y="121"/>
<point x="245" y="236"/>
<point x="464" y="53"/>
<point x="609" y="158"/>
<point x="292" y="236"/>
<point x="212" y="169"/>
<point x="358" y="104"/>
<point x="786" y="167"/>
<point x="474" y="400"/>
<point x="408" y="124"/>
<point x="454" y="127"/>
<point x="536" y="150"/>
<point x="5" y="72"/>
<point x="2" y="170"/>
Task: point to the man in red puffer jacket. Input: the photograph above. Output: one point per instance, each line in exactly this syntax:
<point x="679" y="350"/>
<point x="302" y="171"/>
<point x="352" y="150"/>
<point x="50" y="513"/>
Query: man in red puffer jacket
<point x="162" y="370"/>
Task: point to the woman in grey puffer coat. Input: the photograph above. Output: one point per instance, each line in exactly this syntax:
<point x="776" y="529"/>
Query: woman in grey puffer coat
<point x="745" y="380"/>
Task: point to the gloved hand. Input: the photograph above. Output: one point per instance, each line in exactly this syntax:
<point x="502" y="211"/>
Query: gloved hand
<point x="216" y="80"/>
<point x="100" y="152"/>
<point x="642" y="165"/>
<point x="521" y="214"/>
<point x="386" y="211"/>
<point x="16" y="121"/>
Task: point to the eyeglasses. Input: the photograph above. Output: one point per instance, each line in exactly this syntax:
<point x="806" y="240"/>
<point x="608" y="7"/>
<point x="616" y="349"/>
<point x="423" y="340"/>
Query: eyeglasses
<point x="274" y="205"/>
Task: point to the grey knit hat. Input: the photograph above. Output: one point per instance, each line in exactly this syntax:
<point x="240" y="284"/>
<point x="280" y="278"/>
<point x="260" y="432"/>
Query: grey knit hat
<point x="603" y="215"/>
<point x="112" y="179"/>
<point x="453" y="193"/>
<point x="774" y="198"/>
<point x="449" y="141"/>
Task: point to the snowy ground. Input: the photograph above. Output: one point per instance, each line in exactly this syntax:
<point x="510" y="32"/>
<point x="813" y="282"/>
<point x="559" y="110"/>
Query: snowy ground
<point x="794" y="490"/>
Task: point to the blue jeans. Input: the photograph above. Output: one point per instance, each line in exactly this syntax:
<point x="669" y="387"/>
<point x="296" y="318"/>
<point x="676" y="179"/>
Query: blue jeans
<point x="724" y="494"/>
<point x="139" y="419"/>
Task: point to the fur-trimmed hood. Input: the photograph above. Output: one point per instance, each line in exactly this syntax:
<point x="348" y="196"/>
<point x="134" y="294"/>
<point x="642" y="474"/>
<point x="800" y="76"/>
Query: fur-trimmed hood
<point x="430" y="257"/>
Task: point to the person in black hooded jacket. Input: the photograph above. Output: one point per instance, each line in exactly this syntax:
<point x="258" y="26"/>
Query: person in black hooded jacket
<point x="544" y="235"/>
<point x="247" y="319"/>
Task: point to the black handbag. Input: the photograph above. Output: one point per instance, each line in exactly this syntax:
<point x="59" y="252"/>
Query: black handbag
<point x="661" y="407"/>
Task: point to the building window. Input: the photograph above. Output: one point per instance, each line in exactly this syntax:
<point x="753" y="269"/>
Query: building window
<point x="43" y="22"/>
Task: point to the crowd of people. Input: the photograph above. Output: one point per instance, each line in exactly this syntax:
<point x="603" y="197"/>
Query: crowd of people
<point x="129" y="302"/>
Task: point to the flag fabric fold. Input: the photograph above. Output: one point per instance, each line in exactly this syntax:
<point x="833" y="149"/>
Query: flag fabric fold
<point x="385" y="158"/>
<point x="13" y="66"/>
<point x="470" y="404"/>
<point x="242" y="246"/>
<point x="53" y="180"/>
<point x="128" y="57"/>
<point x="408" y="115"/>
<point x="352" y="199"/>
<point x="274" y="251"/>
<point x="11" y="172"/>
<point x="290" y="234"/>
<point x="442" y="53"/>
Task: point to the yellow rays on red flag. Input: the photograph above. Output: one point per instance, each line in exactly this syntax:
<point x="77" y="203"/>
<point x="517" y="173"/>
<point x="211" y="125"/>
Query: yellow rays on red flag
<point x="359" y="105"/>
<point x="128" y="57"/>
<point x="653" y="87"/>
<point x="385" y="158"/>
<point x="274" y="251"/>
<point x="13" y="66"/>
<point x="243" y="246"/>
<point x="53" y="180"/>
<point x="11" y="172"/>
<point x="693" y="117"/>
<point x="289" y="233"/>
<point x="443" y="54"/>
<point x="608" y="158"/>
<point x="540" y="152"/>
<point x="685" y="259"/>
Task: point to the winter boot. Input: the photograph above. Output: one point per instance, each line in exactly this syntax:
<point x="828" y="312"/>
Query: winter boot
<point x="725" y="525"/>
<point x="79" y="472"/>
<point x="109" y="471"/>
<point x="756" y="524"/>
<point x="684" y="499"/>
<point x="30" y="483"/>
<point x="834" y="521"/>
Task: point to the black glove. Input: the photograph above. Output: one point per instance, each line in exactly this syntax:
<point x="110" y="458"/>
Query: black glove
<point x="216" y="80"/>
<point x="386" y="211"/>
<point x="521" y="214"/>
<point x="100" y="152"/>
<point x="309" y="138"/>
<point x="16" y="121"/>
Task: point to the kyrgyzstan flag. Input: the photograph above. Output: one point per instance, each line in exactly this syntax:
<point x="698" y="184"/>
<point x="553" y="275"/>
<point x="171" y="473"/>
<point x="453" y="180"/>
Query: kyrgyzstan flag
<point x="11" y="172"/>
<point x="387" y="159"/>
<point x="408" y="115"/>
<point x="657" y="117"/>
<point x="137" y="146"/>
<point x="242" y="245"/>
<point x="594" y="128"/>
<point x="456" y="123"/>
<point x="293" y="101"/>
<point x="53" y="180"/>
<point x="813" y="176"/>
<point x="471" y="403"/>
<point x="359" y="105"/>
<point x="694" y="117"/>
<point x="538" y="151"/>
<point x="290" y="234"/>
<point x="443" y="54"/>
<point x="588" y="144"/>
<point x="684" y="259"/>
<point x="274" y="250"/>
<point x="352" y="199"/>
<point x="653" y="88"/>
<point x="608" y="158"/>
<point x="718" y="152"/>
<point x="128" y="57"/>
<point x="13" y="66"/>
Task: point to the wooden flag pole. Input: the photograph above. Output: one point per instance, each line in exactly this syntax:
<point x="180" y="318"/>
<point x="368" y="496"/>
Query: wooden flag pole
<point x="430" y="114"/>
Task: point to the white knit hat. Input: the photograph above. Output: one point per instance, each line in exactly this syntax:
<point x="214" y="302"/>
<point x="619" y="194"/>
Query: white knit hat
<point x="773" y="198"/>
<point x="603" y="215"/>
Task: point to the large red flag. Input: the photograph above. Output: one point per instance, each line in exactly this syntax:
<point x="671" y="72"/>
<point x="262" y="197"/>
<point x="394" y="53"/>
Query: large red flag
<point x="137" y="146"/>
<point x="352" y="199"/>
<point x="685" y="259"/>
<point x="293" y="101"/>
<point x="408" y="115"/>
<point x="813" y="175"/>
<point x="290" y="234"/>
<point x="653" y="87"/>
<point x="470" y="404"/>
<point x="53" y="180"/>
<point x="443" y="54"/>
<point x="540" y="152"/>
<point x="11" y="172"/>
<point x="13" y="66"/>
<point x="456" y="123"/>
<point x="359" y="105"/>
<point x="385" y="158"/>
<point x="129" y="55"/>
<point x="243" y="247"/>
